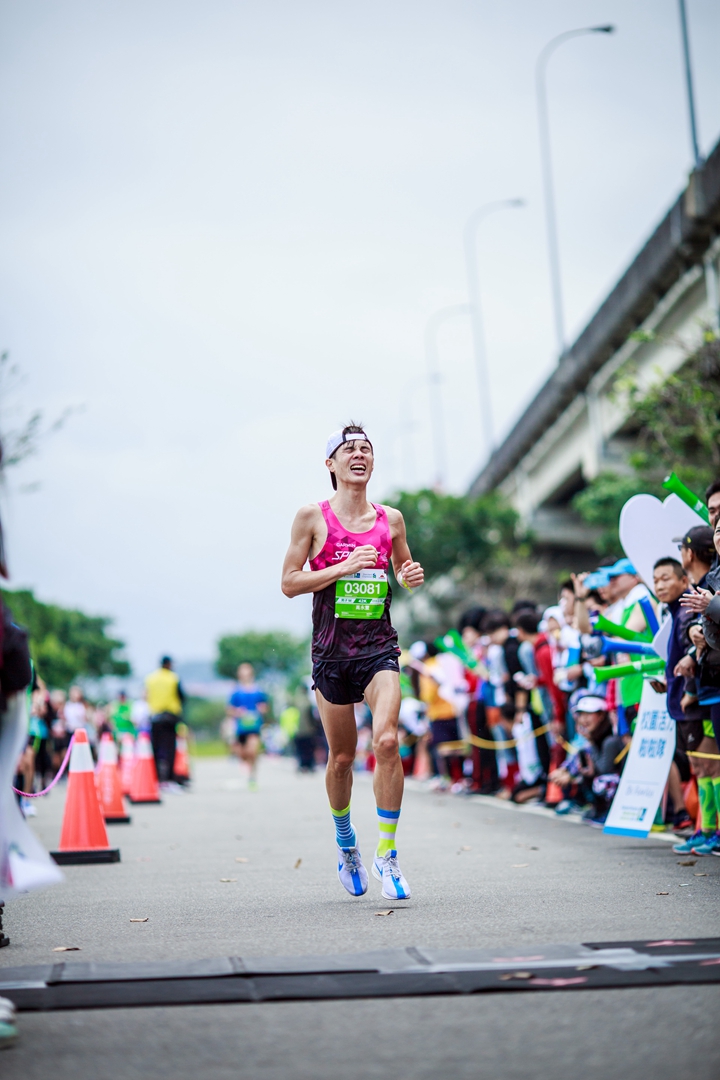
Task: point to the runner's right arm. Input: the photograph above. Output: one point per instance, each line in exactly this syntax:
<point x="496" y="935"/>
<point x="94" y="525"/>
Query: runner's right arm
<point x="295" y="580"/>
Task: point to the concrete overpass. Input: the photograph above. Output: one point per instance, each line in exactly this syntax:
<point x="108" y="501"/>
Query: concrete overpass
<point x="573" y="428"/>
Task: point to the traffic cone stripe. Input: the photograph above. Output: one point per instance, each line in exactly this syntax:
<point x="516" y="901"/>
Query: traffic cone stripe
<point x="81" y="756"/>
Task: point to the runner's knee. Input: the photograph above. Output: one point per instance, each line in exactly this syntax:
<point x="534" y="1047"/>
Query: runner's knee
<point x="342" y="761"/>
<point x="386" y="745"/>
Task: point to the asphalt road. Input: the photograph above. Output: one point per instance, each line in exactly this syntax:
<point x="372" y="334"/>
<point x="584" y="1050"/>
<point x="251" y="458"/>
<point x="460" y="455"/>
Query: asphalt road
<point x="482" y="874"/>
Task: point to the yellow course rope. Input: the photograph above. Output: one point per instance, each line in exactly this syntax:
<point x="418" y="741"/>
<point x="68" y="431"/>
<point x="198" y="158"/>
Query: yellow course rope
<point x="622" y="753"/>
<point x="508" y="744"/>
<point x="490" y="744"/>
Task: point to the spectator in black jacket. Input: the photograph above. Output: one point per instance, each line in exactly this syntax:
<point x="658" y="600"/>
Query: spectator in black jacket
<point x="705" y="603"/>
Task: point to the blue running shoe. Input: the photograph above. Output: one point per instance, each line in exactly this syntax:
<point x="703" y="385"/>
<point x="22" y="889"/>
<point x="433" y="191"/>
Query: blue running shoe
<point x="353" y="875"/>
<point x="685" y="847"/>
<point x="385" y="868"/>
<point x="708" y="846"/>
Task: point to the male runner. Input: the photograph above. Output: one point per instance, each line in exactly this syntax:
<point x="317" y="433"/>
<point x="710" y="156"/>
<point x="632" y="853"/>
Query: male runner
<point x="248" y="707"/>
<point x="350" y="543"/>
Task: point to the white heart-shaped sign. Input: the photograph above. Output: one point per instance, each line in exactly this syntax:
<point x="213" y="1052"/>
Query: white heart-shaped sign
<point x="661" y="641"/>
<point x="648" y="527"/>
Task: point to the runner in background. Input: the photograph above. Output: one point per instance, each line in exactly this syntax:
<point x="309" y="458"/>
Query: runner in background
<point x="140" y="714"/>
<point x="121" y="715"/>
<point x="350" y="543"/>
<point x="248" y="707"/>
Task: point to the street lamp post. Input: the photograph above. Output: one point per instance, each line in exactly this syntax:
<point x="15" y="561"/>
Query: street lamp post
<point x="473" y="280"/>
<point x="548" y="185"/>
<point x="697" y="156"/>
<point x="433" y="369"/>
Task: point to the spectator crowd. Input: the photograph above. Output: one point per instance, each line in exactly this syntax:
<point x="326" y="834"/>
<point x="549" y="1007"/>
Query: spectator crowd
<point x="514" y="703"/>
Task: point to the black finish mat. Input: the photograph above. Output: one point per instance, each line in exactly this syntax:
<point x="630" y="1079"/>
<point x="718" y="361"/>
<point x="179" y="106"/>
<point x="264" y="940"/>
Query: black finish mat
<point x="382" y="973"/>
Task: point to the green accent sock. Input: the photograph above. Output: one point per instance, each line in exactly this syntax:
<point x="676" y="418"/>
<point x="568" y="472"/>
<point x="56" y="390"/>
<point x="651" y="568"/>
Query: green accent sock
<point x="708" y="811"/>
<point x="344" y="832"/>
<point x="388" y="822"/>
<point x="716" y="789"/>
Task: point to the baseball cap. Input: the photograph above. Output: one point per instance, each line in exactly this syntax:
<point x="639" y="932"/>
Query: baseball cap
<point x="338" y="438"/>
<point x="622" y="566"/>
<point x="599" y="578"/>
<point x="590" y="703"/>
<point x="698" y="539"/>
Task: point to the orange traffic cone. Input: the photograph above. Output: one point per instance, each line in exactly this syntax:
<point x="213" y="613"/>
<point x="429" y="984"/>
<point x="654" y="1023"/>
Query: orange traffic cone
<point x="84" y="838"/>
<point x="181" y="767"/>
<point x="127" y="762"/>
<point x="108" y="781"/>
<point x="553" y="791"/>
<point x="144" y="780"/>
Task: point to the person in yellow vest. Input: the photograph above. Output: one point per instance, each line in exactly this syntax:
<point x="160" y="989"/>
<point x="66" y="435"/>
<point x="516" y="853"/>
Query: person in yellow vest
<point x="165" y="700"/>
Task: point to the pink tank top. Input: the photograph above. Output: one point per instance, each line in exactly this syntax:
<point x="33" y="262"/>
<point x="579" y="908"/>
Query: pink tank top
<point x="340" y="542"/>
<point x="335" y="640"/>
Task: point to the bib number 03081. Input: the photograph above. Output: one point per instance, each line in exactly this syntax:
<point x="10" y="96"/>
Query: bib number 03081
<point x="361" y="595"/>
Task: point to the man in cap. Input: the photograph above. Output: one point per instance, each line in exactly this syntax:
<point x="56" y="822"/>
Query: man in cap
<point x="697" y="553"/>
<point x="350" y="543"/>
<point x="712" y="499"/>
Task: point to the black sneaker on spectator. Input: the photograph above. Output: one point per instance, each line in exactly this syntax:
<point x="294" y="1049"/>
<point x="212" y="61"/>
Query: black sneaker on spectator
<point x="682" y="823"/>
<point x="592" y="817"/>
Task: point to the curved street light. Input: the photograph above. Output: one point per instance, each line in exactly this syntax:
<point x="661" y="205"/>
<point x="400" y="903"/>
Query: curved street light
<point x="473" y="280"/>
<point x="697" y="156"/>
<point x="548" y="186"/>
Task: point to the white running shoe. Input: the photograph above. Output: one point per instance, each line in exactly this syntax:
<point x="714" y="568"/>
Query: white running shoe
<point x="353" y="875"/>
<point x="385" y="868"/>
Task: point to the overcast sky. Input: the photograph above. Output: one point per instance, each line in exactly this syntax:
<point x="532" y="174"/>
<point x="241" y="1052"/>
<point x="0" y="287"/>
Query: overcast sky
<point x="224" y="227"/>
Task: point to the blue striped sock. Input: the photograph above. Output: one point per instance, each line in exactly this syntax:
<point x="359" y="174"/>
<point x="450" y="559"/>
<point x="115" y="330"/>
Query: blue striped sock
<point x="388" y="822"/>
<point x="344" y="832"/>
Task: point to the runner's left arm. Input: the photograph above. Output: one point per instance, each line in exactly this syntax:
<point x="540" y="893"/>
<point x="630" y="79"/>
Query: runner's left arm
<point x="409" y="573"/>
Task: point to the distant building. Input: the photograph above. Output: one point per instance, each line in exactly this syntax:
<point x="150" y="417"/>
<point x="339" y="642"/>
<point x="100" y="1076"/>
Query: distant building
<point x="573" y="429"/>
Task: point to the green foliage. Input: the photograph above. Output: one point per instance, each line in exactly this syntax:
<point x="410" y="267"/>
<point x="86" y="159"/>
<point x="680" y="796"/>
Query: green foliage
<point x="275" y="650"/>
<point x="679" y="421"/>
<point x="600" y="503"/>
<point x="19" y="443"/>
<point x="66" y="644"/>
<point x="451" y="533"/>
<point x="678" y="430"/>
<point x="202" y="714"/>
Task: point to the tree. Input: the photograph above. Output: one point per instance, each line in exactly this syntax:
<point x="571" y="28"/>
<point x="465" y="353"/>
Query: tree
<point x="678" y="421"/>
<point x="459" y="535"/>
<point x="23" y="441"/>
<point x="602" y="500"/>
<point x="274" y="650"/>
<point x="677" y="427"/>
<point x="66" y="644"/>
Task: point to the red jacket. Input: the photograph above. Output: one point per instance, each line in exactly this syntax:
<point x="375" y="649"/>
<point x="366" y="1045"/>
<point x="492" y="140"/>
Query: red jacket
<point x="545" y="670"/>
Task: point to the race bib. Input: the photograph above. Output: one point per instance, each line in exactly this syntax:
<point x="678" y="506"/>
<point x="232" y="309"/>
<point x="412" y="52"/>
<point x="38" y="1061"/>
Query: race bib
<point x="361" y="595"/>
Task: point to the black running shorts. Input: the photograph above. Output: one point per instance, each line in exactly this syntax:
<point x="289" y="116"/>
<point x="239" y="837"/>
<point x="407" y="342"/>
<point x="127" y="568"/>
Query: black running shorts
<point x="343" y="682"/>
<point x="690" y="733"/>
